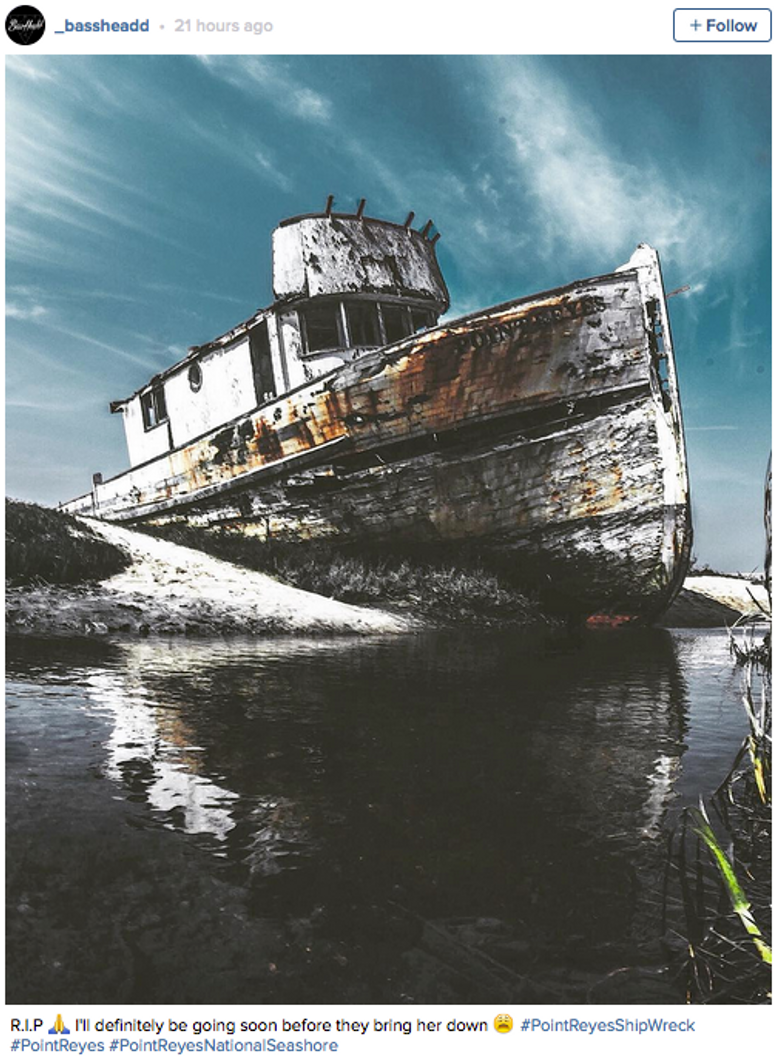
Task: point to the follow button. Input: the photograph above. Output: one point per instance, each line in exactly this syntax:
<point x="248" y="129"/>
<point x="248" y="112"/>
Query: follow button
<point x="722" y="25"/>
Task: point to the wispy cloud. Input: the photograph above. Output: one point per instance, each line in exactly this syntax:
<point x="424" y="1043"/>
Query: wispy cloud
<point x="17" y="311"/>
<point x="241" y="147"/>
<point x="269" y="168"/>
<point x="26" y="355"/>
<point x="271" y="79"/>
<point x="29" y="69"/>
<point x="64" y="330"/>
<point x="143" y="361"/>
<point x="98" y="295"/>
<point x="56" y="407"/>
<point x="584" y="196"/>
<point x="712" y="429"/>
<point x="36" y="247"/>
<point x="187" y="292"/>
<point x="63" y="175"/>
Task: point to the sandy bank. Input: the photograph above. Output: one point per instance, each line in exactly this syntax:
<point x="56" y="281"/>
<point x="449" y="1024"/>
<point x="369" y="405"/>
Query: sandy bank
<point x="716" y="601"/>
<point x="170" y="589"/>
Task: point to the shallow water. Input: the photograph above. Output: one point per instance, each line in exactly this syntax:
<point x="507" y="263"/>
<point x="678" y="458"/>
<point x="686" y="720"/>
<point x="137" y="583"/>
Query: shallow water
<point x="438" y="817"/>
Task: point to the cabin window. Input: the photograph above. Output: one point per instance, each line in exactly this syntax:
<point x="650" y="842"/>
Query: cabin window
<point x="322" y="327"/>
<point x="422" y="319"/>
<point x="153" y="406"/>
<point x="195" y="377"/>
<point x="363" y="323"/>
<point x="261" y="363"/>
<point x="396" y="322"/>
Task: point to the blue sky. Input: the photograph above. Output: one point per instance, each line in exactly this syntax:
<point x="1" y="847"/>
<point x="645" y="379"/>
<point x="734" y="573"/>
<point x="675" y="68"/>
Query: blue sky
<point x="142" y="193"/>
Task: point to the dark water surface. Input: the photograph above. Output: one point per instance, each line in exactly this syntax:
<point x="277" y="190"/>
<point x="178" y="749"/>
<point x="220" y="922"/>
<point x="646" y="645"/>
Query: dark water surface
<point x="452" y="816"/>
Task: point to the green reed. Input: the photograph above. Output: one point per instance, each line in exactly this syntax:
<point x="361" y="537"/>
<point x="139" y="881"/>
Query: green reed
<point x="723" y="867"/>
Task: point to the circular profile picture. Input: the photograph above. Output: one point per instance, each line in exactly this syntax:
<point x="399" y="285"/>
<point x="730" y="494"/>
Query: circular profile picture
<point x="25" y="25"/>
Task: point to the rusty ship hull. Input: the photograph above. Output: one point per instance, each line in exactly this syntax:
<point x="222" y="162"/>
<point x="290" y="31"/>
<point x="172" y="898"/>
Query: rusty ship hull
<point x="545" y="431"/>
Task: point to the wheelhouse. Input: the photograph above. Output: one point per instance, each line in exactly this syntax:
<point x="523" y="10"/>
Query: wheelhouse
<point x="343" y="284"/>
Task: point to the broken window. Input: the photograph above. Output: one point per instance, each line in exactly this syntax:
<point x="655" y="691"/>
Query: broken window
<point x="322" y="327"/>
<point x="363" y="323"/>
<point x="360" y="324"/>
<point x="396" y="322"/>
<point x="153" y="406"/>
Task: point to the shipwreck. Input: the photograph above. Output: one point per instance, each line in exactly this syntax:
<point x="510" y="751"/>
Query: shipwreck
<point x="546" y="431"/>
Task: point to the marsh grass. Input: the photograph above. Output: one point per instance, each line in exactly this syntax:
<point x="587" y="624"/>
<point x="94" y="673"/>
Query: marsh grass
<point x="746" y="651"/>
<point x="722" y="865"/>
<point x="451" y="588"/>
<point x="45" y="546"/>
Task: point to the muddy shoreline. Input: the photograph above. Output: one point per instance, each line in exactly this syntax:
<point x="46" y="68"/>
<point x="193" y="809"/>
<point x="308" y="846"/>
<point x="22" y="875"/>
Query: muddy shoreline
<point x="170" y="589"/>
<point x="253" y="604"/>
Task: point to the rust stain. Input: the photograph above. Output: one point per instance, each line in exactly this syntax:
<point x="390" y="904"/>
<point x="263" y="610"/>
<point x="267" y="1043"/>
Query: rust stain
<point x="267" y="443"/>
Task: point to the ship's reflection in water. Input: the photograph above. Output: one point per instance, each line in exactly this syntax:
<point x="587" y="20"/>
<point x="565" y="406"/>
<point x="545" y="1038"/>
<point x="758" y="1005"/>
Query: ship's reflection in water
<point x="470" y="791"/>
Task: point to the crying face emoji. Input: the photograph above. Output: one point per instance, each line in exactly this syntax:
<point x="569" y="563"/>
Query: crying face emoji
<point x="503" y="1023"/>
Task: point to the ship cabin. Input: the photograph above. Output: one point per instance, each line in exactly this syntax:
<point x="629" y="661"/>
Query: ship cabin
<point x="343" y="284"/>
